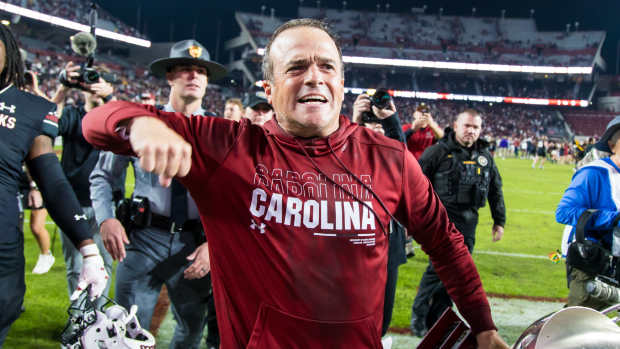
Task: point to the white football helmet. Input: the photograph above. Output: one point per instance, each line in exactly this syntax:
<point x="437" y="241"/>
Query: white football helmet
<point x="112" y="328"/>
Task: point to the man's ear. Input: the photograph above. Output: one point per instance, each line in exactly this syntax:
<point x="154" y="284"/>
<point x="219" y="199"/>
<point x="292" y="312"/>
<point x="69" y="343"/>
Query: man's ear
<point x="268" y="91"/>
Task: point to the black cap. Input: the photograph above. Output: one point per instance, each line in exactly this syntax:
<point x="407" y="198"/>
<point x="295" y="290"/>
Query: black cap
<point x="188" y="52"/>
<point x="254" y="99"/>
<point x="612" y="127"/>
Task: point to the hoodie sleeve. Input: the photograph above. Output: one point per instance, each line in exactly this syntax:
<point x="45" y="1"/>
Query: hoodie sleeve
<point x="426" y="218"/>
<point x="211" y="138"/>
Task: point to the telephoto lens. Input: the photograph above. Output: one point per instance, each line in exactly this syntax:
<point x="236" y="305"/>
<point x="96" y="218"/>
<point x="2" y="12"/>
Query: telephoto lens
<point x="603" y="291"/>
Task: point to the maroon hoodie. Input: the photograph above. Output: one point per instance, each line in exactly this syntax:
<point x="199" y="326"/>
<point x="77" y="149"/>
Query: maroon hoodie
<point x="296" y="227"/>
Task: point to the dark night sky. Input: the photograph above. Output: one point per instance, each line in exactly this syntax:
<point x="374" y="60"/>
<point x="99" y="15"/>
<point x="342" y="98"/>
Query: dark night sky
<point x="551" y="15"/>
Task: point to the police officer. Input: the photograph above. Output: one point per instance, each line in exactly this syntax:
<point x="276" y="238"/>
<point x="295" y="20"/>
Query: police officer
<point x="464" y="175"/>
<point x="166" y="244"/>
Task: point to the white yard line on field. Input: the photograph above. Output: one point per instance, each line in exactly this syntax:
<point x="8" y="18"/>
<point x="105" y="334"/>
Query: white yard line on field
<point x="508" y="254"/>
<point x="519" y="210"/>
<point x="531" y="192"/>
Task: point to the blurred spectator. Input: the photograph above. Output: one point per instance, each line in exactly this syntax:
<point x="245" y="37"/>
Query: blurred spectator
<point x="233" y="109"/>
<point x="424" y="131"/>
<point x="257" y="109"/>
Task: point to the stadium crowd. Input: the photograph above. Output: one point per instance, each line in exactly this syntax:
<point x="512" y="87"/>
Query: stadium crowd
<point x="77" y="11"/>
<point x="445" y="38"/>
<point x="130" y="83"/>
<point x="467" y="84"/>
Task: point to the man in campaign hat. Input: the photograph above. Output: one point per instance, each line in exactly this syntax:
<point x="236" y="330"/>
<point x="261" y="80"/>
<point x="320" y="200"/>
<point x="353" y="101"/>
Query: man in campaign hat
<point x="258" y="109"/>
<point x="167" y="241"/>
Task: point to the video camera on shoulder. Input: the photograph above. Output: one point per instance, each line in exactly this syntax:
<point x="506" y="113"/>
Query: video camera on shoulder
<point x="381" y="99"/>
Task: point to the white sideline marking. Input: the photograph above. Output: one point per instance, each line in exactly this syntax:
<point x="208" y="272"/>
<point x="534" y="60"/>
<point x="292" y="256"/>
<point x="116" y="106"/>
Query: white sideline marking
<point x="508" y="254"/>
<point x="551" y="213"/>
<point x="533" y="192"/>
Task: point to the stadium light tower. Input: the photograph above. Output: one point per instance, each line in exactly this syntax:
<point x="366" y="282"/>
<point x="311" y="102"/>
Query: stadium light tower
<point x="387" y="7"/>
<point x="503" y="13"/>
<point x="440" y="12"/>
<point x="576" y="26"/>
<point x="262" y="10"/>
<point x="318" y="4"/>
<point x="273" y="12"/>
<point x="567" y="27"/>
<point x="344" y="5"/>
<point x="532" y="13"/>
<point x="473" y="12"/>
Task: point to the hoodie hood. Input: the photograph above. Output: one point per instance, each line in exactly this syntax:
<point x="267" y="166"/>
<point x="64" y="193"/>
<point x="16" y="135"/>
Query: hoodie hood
<point x="317" y="146"/>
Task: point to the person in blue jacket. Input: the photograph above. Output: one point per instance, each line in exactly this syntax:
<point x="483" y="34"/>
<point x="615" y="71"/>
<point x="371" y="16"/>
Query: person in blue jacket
<point x="594" y="186"/>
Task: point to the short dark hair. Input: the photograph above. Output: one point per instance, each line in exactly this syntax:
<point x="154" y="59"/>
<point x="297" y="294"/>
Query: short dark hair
<point x="471" y="111"/>
<point x="295" y="23"/>
<point x="13" y="72"/>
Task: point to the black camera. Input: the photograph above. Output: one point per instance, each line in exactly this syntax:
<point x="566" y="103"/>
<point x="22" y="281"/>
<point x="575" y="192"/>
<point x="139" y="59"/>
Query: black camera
<point x="423" y="108"/>
<point x="85" y="44"/>
<point x="88" y="75"/>
<point x="380" y="99"/>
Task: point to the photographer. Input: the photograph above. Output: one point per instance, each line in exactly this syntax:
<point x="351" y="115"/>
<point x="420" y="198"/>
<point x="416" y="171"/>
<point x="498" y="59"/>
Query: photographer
<point x="78" y="160"/>
<point x="594" y="186"/>
<point x="385" y="121"/>
<point x="379" y="114"/>
<point x="424" y="131"/>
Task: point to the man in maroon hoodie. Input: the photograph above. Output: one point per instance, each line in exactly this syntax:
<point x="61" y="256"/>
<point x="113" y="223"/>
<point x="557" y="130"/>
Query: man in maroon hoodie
<point x="296" y="211"/>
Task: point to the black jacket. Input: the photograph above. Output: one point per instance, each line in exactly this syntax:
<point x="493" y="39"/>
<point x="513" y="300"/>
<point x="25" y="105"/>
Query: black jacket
<point x="78" y="156"/>
<point x="438" y="157"/>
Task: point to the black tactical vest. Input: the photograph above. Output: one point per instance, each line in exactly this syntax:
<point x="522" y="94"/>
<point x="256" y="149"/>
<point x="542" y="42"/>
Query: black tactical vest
<point x="462" y="179"/>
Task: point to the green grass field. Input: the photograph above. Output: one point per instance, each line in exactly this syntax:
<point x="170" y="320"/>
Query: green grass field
<point x="531" y="197"/>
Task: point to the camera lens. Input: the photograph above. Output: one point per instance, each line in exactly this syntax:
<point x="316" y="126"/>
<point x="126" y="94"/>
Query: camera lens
<point x="381" y="99"/>
<point x="90" y="76"/>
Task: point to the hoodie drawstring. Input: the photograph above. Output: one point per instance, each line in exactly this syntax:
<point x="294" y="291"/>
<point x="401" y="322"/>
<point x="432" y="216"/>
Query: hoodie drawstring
<point x="316" y="167"/>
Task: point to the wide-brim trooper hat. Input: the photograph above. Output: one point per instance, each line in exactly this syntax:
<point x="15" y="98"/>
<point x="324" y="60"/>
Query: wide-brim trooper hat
<point x="612" y="127"/>
<point x="188" y="52"/>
